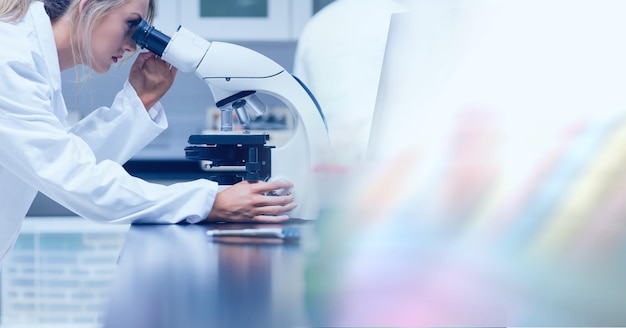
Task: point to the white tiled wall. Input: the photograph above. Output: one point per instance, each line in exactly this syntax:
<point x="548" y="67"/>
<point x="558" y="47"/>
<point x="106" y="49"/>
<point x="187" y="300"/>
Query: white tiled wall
<point x="58" y="273"/>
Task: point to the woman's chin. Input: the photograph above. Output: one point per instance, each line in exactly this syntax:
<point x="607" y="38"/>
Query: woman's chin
<point x="100" y="69"/>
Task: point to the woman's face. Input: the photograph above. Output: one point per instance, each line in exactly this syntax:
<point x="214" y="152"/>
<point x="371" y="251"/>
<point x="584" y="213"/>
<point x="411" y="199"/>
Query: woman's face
<point x="111" y="36"/>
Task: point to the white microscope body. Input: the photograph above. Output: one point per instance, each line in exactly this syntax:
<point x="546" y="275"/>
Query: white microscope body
<point x="233" y="73"/>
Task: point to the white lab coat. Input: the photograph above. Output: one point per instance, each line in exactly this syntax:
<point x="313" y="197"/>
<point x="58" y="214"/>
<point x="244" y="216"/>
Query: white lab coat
<point x="78" y="166"/>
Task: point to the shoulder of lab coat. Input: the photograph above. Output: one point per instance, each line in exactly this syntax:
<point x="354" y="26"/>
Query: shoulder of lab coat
<point x="120" y="131"/>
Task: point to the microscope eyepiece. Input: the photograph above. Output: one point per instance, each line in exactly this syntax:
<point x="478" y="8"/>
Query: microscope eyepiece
<point x="146" y="36"/>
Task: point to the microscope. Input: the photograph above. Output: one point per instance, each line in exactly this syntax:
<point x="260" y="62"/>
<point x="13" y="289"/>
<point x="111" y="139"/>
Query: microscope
<point x="236" y="77"/>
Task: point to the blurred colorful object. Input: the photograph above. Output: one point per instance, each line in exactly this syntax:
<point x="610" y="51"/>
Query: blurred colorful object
<point x="495" y="193"/>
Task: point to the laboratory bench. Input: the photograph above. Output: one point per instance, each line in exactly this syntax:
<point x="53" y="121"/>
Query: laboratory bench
<point x="343" y="271"/>
<point x="71" y="272"/>
<point x="178" y="276"/>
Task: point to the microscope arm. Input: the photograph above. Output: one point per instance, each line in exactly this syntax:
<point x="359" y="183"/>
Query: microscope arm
<point x="217" y="60"/>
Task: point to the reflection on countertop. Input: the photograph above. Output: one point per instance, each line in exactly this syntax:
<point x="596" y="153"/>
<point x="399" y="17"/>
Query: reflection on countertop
<point x="177" y="276"/>
<point x="59" y="273"/>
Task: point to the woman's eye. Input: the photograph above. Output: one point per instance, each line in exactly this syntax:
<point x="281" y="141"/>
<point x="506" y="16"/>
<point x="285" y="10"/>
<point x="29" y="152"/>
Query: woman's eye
<point x="133" y="23"/>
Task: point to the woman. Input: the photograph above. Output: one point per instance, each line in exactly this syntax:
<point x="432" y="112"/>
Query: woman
<point x="80" y="166"/>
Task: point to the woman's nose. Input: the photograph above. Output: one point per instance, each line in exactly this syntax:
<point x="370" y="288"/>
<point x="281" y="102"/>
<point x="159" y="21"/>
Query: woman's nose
<point x="129" y="44"/>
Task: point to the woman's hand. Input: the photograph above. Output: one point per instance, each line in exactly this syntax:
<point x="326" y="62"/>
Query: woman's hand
<point x="247" y="201"/>
<point x="151" y="77"/>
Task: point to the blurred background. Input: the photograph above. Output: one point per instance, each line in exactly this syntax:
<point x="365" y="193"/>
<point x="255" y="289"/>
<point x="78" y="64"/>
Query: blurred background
<point x="493" y="192"/>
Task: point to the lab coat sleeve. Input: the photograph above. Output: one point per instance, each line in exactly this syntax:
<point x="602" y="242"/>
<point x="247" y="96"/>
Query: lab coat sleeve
<point x="120" y="131"/>
<point x="38" y="148"/>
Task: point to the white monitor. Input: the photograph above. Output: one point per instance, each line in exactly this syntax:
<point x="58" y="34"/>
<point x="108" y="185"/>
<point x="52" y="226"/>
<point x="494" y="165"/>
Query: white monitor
<point x="534" y="63"/>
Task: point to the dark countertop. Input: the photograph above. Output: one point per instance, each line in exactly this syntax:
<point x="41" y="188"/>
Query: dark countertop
<point x="177" y="276"/>
<point x="347" y="272"/>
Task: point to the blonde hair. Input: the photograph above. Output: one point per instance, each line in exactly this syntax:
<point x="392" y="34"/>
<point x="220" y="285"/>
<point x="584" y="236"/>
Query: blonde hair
<point x="12" y="10"/>
<point x="82" y="22"/>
